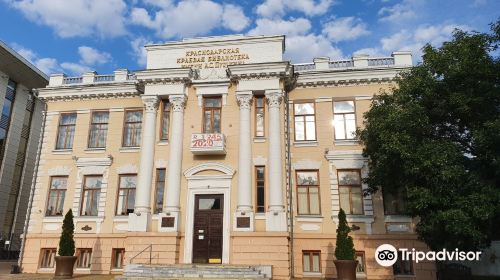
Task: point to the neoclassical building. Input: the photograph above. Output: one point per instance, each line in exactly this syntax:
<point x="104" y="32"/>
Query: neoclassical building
<point x="219" y="152"/>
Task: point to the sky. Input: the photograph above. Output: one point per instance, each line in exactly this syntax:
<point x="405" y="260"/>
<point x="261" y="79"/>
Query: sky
<point x="76" y="36"/>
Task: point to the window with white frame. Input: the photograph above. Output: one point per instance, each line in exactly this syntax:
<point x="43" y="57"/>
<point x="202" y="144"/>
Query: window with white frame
<point x="350" y="192"/>
<point x="47" y="257"/>
<point x="83" y="257"/>
<point x="126" y="194"/>
<point x="91" y="193"/>
<point x="305" y="121"/>
<point x="344" y="120"/>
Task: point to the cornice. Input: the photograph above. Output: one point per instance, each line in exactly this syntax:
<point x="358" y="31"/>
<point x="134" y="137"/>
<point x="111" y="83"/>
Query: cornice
<point x="336" y="78"/>
<point x="252" y="71"/>
<point x="166" y="75"/>
<point x="221" y="41"/>
<point x="89" y="91"/>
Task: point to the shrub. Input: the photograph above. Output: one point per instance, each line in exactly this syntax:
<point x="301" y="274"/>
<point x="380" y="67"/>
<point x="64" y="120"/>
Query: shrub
<point x="66" y="242"/>
<point x="344" y="249"/>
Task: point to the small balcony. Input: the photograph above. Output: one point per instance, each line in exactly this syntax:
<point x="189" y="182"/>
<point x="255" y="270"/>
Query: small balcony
<point x="208" y="144"/>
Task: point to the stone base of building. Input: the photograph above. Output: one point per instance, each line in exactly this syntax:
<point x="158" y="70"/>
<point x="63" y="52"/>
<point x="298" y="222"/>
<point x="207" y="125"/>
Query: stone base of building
<point x="246" y="248"/>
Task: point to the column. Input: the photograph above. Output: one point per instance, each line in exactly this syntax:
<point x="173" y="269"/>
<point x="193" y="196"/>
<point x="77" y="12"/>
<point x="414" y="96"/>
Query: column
<point x="174" y="172"/>
<point x="276" y="216"/>
<point x="244" y="211"/>
<point x="140" y="219"/>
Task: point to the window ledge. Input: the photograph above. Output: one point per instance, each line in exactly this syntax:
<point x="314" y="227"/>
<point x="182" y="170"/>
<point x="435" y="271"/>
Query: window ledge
<point x="312" y="274"/>
<point x="130" y="149"/>
<point x="120" y="218"/>
<point x="360" y="275"/>
<point x="357" y="219"/>
<point x="316" y="219"/>
<point x="95" y="150"/>
<point x="162" y="143"/>
<point x="89" y="219"/>
<point x="53" y="219"/>
<point x="404" y="276"/>
<point x="260" y="216"/>
<point x="46" y="269"/>
<point x="397" y="219"/>
<point x="84" y="270"/>
<point x="305" y="143"/>
<point x="346" y="142"/>
<point x="259" y="140"/>
<point x="63" y="151"/>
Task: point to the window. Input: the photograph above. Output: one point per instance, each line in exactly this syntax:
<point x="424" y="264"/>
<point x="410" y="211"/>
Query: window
<point x="5" y="117"/>
<point x="344" y="120"/>
<point x="66" y="131"/>
<point x="117" y="258"/>
<point x="260" y="174"/>
<point x="394" y="202"/>
<point x="132" y="129"/>
<point x="361" y="267"/>
<point x="308" y="193"/>
<point x="402" y="267"/>
<point x="351" y="198"/>
<point x="212" y="107"/>
<point x="259" y="116"/>
<point x="57" y="191"/>
<point x="311" y="261"/>
<point x="98" y="129"/>
<point x="91" y="194"/>
<point x="165" y="120"/>
<point x="305" y="122"/>
<point x="126" y="194"/>
<point x="83" y="258"/>
<point x="160" y="190"/>
<point x="47" y="258"/>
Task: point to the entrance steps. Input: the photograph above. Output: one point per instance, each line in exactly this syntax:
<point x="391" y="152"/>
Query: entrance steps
<point x="194" y="271"/>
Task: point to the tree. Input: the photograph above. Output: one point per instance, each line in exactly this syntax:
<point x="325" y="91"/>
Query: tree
<point x="66" y="242"/>
<point x="344" y="247"/>
<point x="436" y="137"/>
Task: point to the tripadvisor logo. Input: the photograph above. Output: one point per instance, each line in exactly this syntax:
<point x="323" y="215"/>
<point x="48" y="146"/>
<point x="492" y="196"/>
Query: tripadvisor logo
<point x="387" y="255"/>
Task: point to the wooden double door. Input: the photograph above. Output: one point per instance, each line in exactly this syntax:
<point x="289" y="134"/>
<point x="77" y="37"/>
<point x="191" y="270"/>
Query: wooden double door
<point x="208" y="228"/>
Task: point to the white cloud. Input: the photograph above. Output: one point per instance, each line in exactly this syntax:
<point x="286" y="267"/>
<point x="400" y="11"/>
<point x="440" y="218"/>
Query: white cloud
<point x="75" y="68"/>
<point x="414" y="40"/>
<point x="91" y="56"/>
<point x="400" y="12"/>
<point x="278" y="8"/>
<point x="138" y="50"/>
<point x="47" y="65"/>
<point x="345" y="29"/>
<point x="77" y="17"/>
<point x="234" y="18"/>
<point x="303" y="48"/>
<point x="373" y="52"/>
<point x="180" y="21"/>
<point x="264" y="26"/>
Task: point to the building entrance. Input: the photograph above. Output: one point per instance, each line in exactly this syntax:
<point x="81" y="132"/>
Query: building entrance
<point x="207" y="228"/>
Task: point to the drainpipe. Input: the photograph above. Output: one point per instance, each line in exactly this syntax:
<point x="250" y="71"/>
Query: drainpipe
<point x="33" y="184"/>
<point x="290" y="188"/>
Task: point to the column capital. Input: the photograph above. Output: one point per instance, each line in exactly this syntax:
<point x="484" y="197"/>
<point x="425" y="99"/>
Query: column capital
<point x="274" y="98"/>
<point x="244" y="100"/>
<point x="178" y="102"/>
<point x="150" y="102"/>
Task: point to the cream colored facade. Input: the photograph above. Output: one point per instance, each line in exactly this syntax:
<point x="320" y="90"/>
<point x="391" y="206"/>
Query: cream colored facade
<point x="234" y="69"/>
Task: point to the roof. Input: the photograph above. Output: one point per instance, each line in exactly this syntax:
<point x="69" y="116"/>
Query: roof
<point x="19" y="69"/>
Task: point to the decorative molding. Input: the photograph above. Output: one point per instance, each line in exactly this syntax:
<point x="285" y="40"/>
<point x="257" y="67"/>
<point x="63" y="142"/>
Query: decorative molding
<point x="150" y="103"/>
<point x="258" y="71"/>
<point x="244" y="101"/>
<point x="178" y="102"/>
<point x="310" y="227"/>
<point x="259" y="161"/>
<point x="306" y="164"/>
<point x="161" y="163"/>
<point x="127" y="169"/>
<point x="96" y="91"/>
<point x="228" y="172"/>
<point x="274" y="98"/>
<point x="59" y="171"/>
<point x="165" y="76"/>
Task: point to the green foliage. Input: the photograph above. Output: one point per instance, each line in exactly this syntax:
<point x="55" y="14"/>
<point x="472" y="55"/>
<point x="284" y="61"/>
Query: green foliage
<point x="344" y="248"/>
<point x="436" y="136"/>
<point x="66" y="242"/>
